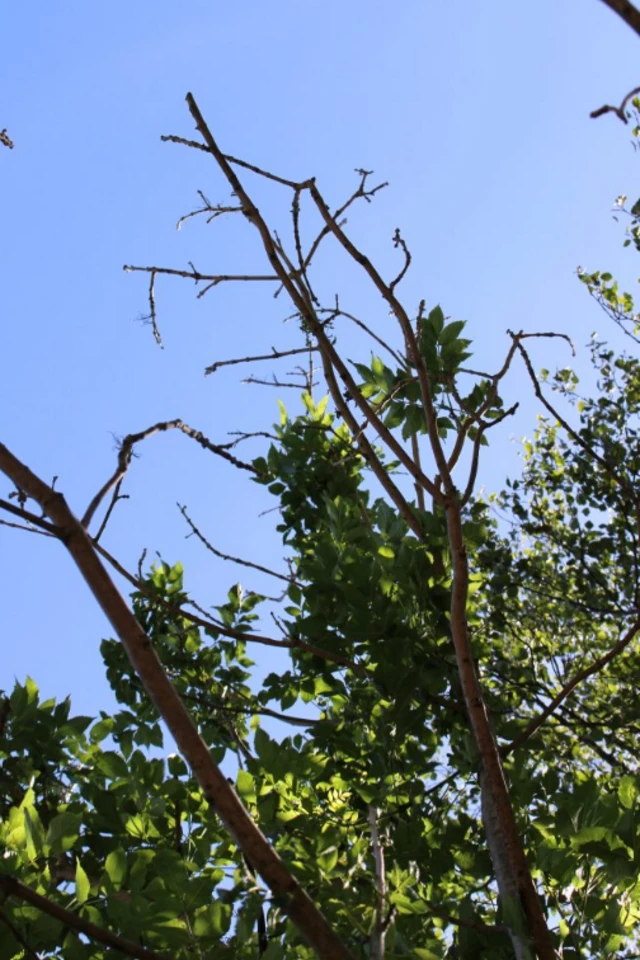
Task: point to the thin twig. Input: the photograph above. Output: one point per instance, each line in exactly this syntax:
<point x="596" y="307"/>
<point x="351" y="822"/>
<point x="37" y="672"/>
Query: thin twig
<point x="226" y="556"/>
<point x="619" y="111"/>
<point x="126" y="452"/>
<point x="40" y="522"/>
<point x="114" y="499"/>
<point x="212" y="279"/>
<point x="274" y="355"/>
<point x="398" y="242"/>
<point x="482" y="429"/>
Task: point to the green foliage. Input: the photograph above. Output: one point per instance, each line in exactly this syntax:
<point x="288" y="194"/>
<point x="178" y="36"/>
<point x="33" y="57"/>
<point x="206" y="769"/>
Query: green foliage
<point x="93" y="817"/>
<point x="100" y="816"/>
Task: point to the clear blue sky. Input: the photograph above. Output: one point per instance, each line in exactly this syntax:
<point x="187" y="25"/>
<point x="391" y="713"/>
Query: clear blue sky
<point x="476" y="113"/>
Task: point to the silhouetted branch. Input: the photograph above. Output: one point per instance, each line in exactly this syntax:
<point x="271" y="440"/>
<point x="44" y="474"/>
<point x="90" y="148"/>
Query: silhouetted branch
<point x="126" y="453"/>
<point x="627" y="11"/>
<point x="274" y="355"/>
<point x="225" y="556"/>
<point x="619" y="111"/>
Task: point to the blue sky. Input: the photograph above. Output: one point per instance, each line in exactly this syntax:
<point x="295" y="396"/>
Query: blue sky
<point x="477" y="114"/>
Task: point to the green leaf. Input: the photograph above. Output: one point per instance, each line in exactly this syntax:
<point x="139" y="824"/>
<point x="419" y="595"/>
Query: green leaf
<point x="83" y="886"/>
<point x="112" y="765"/>
<point x="451" y="331"/>
<point x="628" y="791"/>
<point x="64" y="830"/>
<point x="245" y="785"/>
<point x="213" y="920"/>
<point x="116" y="867"/>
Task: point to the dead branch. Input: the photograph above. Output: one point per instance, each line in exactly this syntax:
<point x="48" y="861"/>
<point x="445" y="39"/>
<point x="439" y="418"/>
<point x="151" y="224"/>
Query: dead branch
<point x="43" y="525"/>
<point x="619" y="111"/>
<point x="274" y="382"/>
<point x="326" y="346"/>
<point x="274" y="355"/>
<point x="213" y="211"/>
<point x="193" y="274"/>
<point x="114" y="499"/>
<point x="225" y="556"/>
<point x="126" y="453"/>
<point x="398" y="242"/>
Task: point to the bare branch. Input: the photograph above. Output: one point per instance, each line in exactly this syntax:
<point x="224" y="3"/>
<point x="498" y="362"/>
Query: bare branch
<point x="627" y="11"/>
<point x="213" y="279"/>
<point x="619" y="111"/>
<point x="398" y="242"/>
<point x="114" y="499"/>
<point x="595" y="667"/>
<point x="171" y="138"/>
<point x="274" y="382"/>
<point x="126" y="454"/>
<point x="253" y="215"/>
<point x="213" y="211"/>
<point x="31" y="518"/>
<point x="274" y="355"/>
<point x="226" y="556"/>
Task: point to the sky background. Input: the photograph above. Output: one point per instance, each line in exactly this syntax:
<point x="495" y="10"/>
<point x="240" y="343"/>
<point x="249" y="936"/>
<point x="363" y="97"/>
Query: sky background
<point x="477" y="115"/>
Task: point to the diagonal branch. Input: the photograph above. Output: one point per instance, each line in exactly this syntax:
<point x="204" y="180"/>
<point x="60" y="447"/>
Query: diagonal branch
<point x="225" y="556"/>
<point x="43" y="525"/>
<point x="125" y="455"/>
<point x="216" y="626"/>
<point x="627" y="11"/>
<point x="218" y="792"/>
<point x="14" y="888"/>
<point x="253" y="215"/>
<point x="570" y="686"/>
<point x="28" y="952"/>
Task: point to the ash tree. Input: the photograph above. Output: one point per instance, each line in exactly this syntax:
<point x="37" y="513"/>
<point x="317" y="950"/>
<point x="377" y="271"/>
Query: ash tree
<point x="464" y="782"/>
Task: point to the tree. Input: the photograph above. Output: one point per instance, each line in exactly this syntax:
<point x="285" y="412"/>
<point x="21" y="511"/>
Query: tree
<point x="466" y="785"/>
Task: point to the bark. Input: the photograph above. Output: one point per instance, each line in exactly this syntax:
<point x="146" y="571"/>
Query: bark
<point x="219" y="793"/>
